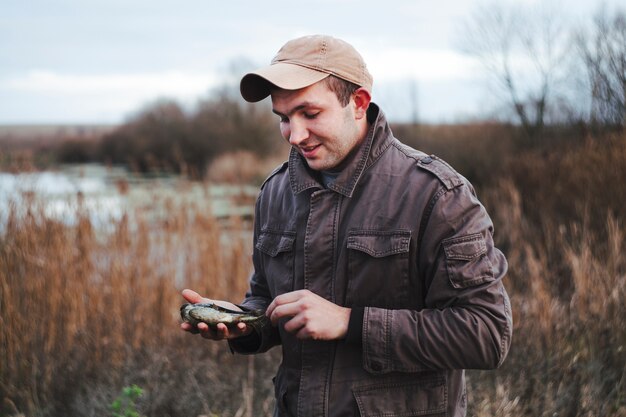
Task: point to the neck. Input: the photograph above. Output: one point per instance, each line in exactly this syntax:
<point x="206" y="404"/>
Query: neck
<point x="363" y="129"/>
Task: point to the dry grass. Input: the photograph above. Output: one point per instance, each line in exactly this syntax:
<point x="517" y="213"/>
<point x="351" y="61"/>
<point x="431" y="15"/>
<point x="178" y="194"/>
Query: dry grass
<point x="85" y="312"/>
<point x="243" y="167"/>
<point x="568" y="293"/>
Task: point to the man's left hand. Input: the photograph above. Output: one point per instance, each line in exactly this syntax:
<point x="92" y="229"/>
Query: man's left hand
<point x="312" y="317"/>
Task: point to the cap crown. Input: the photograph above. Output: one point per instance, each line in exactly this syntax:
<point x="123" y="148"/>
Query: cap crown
<point x="326" y="54"/>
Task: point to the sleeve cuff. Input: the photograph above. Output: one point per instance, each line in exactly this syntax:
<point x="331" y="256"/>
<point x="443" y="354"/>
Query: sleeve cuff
<point x="246" y="344"/>
<point x="355" y="326"/>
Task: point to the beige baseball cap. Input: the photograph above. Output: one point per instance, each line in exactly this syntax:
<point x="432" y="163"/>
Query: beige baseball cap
<point x="304" y="61"/>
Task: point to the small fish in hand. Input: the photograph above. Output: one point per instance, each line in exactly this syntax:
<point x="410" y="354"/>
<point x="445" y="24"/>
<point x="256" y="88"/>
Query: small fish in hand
<point x="212" y="314"/>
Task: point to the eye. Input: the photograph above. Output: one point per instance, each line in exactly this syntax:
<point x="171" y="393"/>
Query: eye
<point x="311" y="115"/>
<point x="283" y="119"/>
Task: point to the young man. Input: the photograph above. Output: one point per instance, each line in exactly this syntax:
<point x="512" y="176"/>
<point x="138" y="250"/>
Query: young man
<point x="375" y="262"/>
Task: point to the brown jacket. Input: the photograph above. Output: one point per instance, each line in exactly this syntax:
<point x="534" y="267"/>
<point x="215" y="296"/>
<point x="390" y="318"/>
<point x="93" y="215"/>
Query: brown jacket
<point x="403" y="235"/>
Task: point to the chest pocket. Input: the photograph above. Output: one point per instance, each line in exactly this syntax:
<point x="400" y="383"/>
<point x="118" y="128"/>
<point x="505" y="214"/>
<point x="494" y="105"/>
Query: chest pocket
<point x="378" y="268"/>
<point x="277" y="259"/>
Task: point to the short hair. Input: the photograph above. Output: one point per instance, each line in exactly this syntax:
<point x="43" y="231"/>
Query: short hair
<point x="343" y="89"/>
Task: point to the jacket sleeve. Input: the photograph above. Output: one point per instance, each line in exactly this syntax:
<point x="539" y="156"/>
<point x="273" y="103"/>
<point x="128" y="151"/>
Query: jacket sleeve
<point x="258" y="297"/>
<point x="467" y="322"/>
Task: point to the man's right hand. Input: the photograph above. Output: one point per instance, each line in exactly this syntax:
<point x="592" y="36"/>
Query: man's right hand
<point x="222" y="332"/>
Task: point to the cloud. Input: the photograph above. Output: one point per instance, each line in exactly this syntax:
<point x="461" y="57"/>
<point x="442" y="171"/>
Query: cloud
<point x="49" y="96"/>
<point x="420" y="64"/>
<point x="172" y="83"/>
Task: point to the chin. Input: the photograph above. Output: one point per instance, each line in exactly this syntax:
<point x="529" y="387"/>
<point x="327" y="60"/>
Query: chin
<point x="319" y="166"/>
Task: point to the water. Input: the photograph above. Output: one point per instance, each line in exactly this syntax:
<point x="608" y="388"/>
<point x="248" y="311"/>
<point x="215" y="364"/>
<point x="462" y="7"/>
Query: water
<point x="107" y="194"/>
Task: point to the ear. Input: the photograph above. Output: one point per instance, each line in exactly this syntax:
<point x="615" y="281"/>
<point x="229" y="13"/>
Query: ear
<point x="362" y="99"/>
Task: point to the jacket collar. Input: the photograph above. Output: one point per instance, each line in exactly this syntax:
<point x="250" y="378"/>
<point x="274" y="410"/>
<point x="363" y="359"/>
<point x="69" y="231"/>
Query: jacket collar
<point x="378" y="138"/>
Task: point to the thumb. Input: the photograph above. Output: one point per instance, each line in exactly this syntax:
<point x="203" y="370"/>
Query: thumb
<point x="193" y="297"/>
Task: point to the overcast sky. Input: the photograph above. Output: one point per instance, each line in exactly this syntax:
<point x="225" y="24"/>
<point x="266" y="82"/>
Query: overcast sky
<point x="98" y="61"/>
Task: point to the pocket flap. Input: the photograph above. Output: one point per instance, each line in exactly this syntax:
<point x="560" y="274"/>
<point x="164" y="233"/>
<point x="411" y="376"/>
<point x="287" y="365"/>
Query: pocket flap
<point x="380" y="243"/>
<point x="273" y="243"/>
<point x="421" y="398"/>
<point x="465" y="248"/>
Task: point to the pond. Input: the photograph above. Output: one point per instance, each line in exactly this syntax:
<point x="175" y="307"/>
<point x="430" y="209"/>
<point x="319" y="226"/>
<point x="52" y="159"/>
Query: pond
<point x="107" y="194"/>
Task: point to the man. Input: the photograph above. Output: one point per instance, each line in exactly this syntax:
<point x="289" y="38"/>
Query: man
<point x="375" y="262"/>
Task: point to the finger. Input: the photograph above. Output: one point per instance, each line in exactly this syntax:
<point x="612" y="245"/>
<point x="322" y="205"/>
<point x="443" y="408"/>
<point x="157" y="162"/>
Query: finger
<point x="286" y="298"/>
<point x="203" y="328"/>
<point x="193" y="297"/>
<point x="189" y="328"/>
<point x="227" y="304"/>
<point x="285" y="310"/>
<point x="209" y="333"/>
<point x="222" y="331"/>
<point x="295" y="324"/>
<point x="241" y="329"/>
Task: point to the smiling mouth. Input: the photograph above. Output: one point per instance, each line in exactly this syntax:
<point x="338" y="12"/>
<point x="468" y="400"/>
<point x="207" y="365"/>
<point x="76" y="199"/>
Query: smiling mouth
<point x="309" y="150"/>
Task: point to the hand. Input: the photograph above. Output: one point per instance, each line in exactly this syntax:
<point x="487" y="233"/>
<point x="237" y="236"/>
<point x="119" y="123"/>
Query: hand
<point x="222" y="332"/>
<point x="312" y="317"/>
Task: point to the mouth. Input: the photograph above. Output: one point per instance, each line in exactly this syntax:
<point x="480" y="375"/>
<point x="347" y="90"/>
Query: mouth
<point x="309" y="151"/>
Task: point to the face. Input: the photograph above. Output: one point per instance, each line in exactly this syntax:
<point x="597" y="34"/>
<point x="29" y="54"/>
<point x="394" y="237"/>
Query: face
<point x="316" y="125"/>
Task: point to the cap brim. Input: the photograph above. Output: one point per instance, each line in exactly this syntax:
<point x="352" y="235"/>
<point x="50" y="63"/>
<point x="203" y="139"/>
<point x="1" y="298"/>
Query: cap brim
<point x="257" y="85"/>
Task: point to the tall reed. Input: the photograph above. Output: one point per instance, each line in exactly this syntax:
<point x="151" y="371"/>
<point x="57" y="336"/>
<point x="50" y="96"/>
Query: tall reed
<point x="568" y="292"/>
<point x="82" y="308"/>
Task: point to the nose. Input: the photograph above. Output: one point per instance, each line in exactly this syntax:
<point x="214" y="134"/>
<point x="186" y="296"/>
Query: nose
<point x="298" y="133"/>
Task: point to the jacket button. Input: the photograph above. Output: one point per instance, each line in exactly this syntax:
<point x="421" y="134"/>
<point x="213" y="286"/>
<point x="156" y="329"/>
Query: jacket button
<point x="426" y="160"/>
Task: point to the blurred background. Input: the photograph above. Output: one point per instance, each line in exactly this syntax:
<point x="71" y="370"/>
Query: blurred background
<point x="129" y="167"/>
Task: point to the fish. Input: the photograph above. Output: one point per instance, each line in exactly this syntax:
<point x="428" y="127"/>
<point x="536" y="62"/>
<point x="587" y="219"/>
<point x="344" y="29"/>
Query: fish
<point x="212" y="314"/>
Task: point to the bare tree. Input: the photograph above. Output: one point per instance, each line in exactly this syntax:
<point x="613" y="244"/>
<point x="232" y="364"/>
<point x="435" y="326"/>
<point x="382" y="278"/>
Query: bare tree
<point x="523" y="50"/>
<point x="603" y="51"/>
